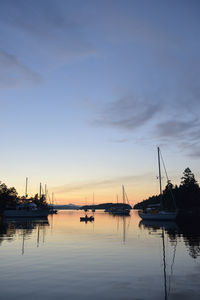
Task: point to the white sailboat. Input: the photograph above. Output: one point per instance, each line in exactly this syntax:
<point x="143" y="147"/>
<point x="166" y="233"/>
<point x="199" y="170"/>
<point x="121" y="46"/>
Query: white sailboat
<point x="158" y="214"/>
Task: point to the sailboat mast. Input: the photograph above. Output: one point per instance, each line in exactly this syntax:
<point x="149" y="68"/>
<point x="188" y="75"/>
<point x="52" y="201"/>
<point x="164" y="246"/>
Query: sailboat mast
<point x="46" y="191"/>
<point x="26" y="188"/>
<point x="161" y="202"/>
<point x="52" y="198"/>
<point x="123" y="194"/>
<point x="40" y="190"/>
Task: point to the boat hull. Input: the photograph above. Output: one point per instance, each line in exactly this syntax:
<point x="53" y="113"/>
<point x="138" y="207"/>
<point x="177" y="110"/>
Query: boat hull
<point x="14" y="213"/>
<point x="86" y="219"/>
<point x="120" y="213"/>
<point x="161" y="216"/>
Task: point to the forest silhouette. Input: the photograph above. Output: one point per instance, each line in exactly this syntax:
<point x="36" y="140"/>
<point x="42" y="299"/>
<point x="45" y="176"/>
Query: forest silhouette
<point x="185" y="197"/>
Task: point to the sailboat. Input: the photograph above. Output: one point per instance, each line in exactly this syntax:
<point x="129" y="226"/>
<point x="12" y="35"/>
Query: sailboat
<point x="51" y="208"/>
<point x="158" y="214"/>
<point x="121" y="209"/>
<point x="26" y="210"/>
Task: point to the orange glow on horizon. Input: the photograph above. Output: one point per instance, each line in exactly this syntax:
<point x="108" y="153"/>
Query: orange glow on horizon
<point x="103" y="197"/>
<point x="106" y="192"/>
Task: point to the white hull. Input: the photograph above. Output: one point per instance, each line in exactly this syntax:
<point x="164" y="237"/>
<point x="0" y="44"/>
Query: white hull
<point x="22" y="213"/>
<point x="162" y="215"/>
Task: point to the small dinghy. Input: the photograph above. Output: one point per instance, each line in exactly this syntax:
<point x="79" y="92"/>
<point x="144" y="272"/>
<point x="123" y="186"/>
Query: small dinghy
<point x="86" y="219"/>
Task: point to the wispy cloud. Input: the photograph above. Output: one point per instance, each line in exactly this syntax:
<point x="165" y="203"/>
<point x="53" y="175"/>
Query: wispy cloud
<point x="183" y="134"/>
<point x="194" y="151"/>
<point x="40" y="36"/>
<point x="100" y="184"/>
<point x="14" y="73"/>
<point x="119" y="141"/>
<point x="53" y="29"/>
<point x="178" y="129"/>
<point x="127" y="113"/>
<point x="132" y="115"/>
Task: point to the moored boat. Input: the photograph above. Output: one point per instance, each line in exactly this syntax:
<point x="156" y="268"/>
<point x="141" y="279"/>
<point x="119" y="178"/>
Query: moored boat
<point x="86" y="219"/>
<point x="24" y="211"/>
<point x="122" y="209"/>
<point x="159" y="213"/>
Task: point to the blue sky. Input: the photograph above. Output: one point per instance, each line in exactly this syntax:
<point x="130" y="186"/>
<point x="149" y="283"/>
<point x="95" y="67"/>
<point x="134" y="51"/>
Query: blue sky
<point x="89" y="89"/>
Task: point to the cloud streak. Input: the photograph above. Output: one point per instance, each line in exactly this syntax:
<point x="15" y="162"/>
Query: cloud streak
<point x="13" y="73"/>
<point x="41" y="36"/>
<point x="127" y="113"/>
<point x="178" y="128"/>
<point x="101" y="184"/>
<point x="184" y="134"/>
<point x="132" y="115"/>
<point x="52" y="28"/>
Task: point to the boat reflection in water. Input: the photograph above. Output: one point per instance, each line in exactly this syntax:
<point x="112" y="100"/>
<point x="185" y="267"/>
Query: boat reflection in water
<point x="163" y="227"/>
<point x="87" y="219"/>
<point x="189" y="232"/>
<point x="24" y="227"/>
<point x="156" y="224"/>
<point x="159" y="212"/>
<point x="125" y="221"/>
<point x="111" y="258"/>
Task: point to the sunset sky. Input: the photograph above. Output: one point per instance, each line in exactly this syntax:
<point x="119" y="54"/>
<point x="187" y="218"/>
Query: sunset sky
<point x="89" y="89"/>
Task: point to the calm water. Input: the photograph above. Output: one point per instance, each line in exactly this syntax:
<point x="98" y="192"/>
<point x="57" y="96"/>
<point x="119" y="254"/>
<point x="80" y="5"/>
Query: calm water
<point x="111" y="258"/>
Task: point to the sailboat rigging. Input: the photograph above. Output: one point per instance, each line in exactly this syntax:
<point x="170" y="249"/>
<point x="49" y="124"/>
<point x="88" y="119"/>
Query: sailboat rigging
<point x="159" y="214"/>
<point x="93" y="209"/>
<point x="26" y="209"/>
<point x="26" y="188"/>
<point x="123" y="208"/>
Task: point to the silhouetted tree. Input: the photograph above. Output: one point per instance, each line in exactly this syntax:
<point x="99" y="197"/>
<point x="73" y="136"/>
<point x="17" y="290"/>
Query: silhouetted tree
<point x="189" y="191"/>
<point x="186" y="196"/>
<point x="40" y="202"/>
<point x="168" y="197"/>
<point x="188" y="180"/>
<point x="8" y="196"/>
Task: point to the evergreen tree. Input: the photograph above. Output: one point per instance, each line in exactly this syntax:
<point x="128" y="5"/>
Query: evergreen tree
<point x="186" y="196"/>
<point x="189" y="191"/>
<point x="8" y="196"/>
<point x="188" y="180"/>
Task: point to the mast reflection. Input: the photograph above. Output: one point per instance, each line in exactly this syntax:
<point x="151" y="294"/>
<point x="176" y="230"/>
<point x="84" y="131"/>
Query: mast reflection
<point x="161" y="228"/>
<point x="23" y="227"/>
<point x="189" y="232"/>
<point x="125" y="219"/>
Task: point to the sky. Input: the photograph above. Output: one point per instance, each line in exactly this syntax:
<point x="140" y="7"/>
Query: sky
<point x="90" y="89"/>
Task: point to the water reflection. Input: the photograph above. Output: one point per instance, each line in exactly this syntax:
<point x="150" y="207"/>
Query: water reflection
<point x="125" y="220"/>
<point x="162" y="228"/>
<point x="113" y="258"/>
<point x="23" y="227"/>
<point x="188" y="231"/>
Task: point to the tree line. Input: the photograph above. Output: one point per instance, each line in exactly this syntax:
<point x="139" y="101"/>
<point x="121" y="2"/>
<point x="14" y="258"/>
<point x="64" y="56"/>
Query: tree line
<point x="185" y="197"/>
<point x="9" y="198"/>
